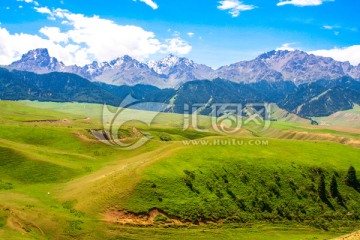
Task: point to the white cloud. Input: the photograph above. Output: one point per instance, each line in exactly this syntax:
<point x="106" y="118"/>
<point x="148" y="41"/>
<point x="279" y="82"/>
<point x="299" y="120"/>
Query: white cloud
<point x="286" y="46"/>
<point x="45" y="10"/>
<point x="337" y="28"/>
<point x="235" y="7"/>
<point x="190" y="34"/>
<point x="176" y="46"/>
<point x="328" y="27"/>
<point x="150" y="3"/>
<point x="303" y="3"/>
<point x="29" y="1"/>
<point x="12" y="46"/>
<point x="78" y="39"/>
<point x="54" y="34"/>
<point x="351" y="54"/>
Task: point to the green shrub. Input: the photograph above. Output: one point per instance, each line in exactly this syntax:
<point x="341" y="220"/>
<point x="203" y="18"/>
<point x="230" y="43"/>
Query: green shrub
<point x="165" y="138"/>
<point x="161" y="219"/>
<point x="74" y="228"/>
<point x="5" y="185"/>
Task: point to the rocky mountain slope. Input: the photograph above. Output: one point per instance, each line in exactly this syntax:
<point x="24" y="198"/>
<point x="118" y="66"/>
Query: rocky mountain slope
<point x="323" y="98"/>
<point x="316" y="99"/>
<point x="38" y="61"/>
<point x="180" y="70"/>
<point x="296" y="66"/>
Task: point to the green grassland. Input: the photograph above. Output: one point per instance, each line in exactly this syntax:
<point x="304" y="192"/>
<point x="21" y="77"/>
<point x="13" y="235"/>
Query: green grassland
<point x="58" y="182"/>
<point x="235" y="183"/>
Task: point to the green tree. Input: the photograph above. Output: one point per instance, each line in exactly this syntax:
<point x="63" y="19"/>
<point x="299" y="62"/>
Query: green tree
<point x="351" y="179"/>
<point x="322" y="188"/>
<point x="334" y="188"/>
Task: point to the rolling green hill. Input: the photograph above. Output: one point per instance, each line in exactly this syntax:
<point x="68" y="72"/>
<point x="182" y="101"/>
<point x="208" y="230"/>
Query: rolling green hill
<point x="58" y="182"/>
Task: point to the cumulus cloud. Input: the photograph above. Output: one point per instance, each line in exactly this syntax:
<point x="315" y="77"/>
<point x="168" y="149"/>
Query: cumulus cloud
<point x="351" y="54"/>
<point x="303" y="3"/>
<point x="286" y="46"/>
<point x="78" y="39"/>
<point x="12" y="46"/>
<point x="234" y="7"/>
<point x="54" y="34"/>
<point x="150" y="3"/>
<point x="177" y="46"/>
<point x="190" y="34"/>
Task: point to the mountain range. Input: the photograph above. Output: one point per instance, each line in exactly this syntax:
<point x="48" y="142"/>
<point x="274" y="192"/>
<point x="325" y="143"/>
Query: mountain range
<point x="300" y="83"/>
<point x="172" y="71"/>
<point x="315" y="99"/>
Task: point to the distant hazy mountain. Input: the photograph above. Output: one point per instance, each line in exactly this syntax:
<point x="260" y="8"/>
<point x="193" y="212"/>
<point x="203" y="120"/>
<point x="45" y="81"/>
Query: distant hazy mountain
<point x="296" y="66"/>
<point x="315" y="99"/>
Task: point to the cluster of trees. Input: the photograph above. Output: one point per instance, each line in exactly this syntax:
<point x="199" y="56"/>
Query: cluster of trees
<point x="350" y="180"/>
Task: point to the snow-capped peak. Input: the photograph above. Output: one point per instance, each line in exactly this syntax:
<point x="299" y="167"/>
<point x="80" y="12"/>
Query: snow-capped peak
<point x="169" y="62"/>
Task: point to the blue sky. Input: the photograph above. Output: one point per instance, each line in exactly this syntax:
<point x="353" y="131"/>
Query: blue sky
<point x="208" y="31"/>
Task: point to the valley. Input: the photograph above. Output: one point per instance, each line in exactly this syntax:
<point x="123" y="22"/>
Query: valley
<point x="177" y="120"/>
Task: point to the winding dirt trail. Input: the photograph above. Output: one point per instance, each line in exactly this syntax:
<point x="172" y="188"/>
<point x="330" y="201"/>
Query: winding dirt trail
<point x="112" y="184"/>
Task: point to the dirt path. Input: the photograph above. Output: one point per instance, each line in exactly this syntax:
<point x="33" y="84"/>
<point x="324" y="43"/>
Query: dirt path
<point x="352" y="236"/>
<point x="112" y="184"/>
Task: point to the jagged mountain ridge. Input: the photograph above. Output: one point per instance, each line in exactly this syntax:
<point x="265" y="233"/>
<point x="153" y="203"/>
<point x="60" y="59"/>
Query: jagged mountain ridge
<point x="122" y="71"/>
<point x="316" y="99"/>
<point x="180" y="70"/>
<point x="38" y="61"/>
<point x="296" y="66"/>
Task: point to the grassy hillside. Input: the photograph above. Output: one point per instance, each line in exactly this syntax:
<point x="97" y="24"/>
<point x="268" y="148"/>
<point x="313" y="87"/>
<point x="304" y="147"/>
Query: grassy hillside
<point x="248" y="183"/>
<point x="349" y="118"/>
<point x="58" y="182"/>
